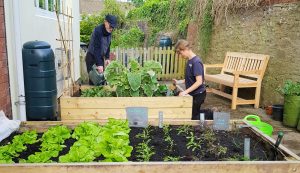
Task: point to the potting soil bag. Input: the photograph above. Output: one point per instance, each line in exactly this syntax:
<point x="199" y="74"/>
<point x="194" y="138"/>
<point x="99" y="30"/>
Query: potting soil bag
<point x="291" y="111"/>
<point x="7" y="126"/>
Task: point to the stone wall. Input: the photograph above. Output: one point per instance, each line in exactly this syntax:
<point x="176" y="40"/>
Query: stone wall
<point x="96" y="6"/>
<point x="90" y="6"/>
<point x="272" y="30"/>
<point x="5" y="103"/>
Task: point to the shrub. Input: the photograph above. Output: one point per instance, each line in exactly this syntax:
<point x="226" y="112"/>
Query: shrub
<point x="290" y="88"/>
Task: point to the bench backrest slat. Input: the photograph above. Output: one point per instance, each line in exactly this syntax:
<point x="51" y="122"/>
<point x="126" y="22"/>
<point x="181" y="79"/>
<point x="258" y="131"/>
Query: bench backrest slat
<point x="236" y="61"/>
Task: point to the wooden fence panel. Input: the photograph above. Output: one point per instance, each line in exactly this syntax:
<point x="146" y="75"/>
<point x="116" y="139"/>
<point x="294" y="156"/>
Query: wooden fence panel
<point x="173" y="66"/>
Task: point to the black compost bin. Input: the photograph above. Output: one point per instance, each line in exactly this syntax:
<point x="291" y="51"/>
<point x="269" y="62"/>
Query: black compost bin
<point x="165" y="41"/>
<point x="277" y="112"/>
<point x="39" y="81"/>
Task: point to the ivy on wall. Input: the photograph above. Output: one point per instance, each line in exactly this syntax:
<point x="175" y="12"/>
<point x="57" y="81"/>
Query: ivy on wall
<point x="164" y="15"/>
<point x="206" y="28"/>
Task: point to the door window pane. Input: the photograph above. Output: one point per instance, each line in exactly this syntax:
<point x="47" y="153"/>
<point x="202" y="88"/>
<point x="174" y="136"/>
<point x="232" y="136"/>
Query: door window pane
<point x="50" y="5"/>
<point x="42" y="4"/>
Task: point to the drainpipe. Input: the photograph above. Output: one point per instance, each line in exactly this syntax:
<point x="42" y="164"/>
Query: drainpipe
<point x="21" y="109"/>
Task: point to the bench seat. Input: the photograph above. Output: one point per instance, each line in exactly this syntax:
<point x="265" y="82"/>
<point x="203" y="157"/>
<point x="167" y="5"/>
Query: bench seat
<point x="228" y="80"/>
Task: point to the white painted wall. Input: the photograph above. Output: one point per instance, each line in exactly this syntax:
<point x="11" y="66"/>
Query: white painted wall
<point x="18" y="108"/>
<point x="36" y="26"/>
<point x="32" y="25"/>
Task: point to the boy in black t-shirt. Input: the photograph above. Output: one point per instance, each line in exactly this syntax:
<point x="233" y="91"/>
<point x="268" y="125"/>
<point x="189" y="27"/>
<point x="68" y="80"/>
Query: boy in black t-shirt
<point x="194" y="77"/>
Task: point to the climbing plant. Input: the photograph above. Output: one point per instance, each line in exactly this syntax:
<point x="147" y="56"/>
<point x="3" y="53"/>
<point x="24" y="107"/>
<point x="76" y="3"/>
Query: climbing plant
<point x="155" y="11"/>
<point x="163" y="15"/>
<point x="206" y="28"/>
<point x="137" y="3"/>
<point x="179" y="16"/>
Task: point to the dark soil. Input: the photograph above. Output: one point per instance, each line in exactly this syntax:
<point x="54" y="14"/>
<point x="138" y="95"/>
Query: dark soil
<point x="232" y="140"/>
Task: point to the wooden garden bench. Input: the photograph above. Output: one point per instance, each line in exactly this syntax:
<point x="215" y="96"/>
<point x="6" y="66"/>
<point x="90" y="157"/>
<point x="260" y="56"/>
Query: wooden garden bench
<point x="239" y="70"/>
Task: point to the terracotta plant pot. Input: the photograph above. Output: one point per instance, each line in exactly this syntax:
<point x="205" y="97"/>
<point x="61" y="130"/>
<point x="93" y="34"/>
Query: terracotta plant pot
<point x="269" y="110"/>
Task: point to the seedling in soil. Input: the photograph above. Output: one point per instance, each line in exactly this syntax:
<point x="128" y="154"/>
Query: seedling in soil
<point x="236" y="143"/>
<point x="145" y="134"/>
<point x="237" y="157"/>
<point x="172" y="158"/>
<point x="194" y="143"/>
<point x="209" y="136"/>
<point x="167" y="138"/>
<point x="144" y="151"/>
<point x="211" y="139"/>
<point x="184" y="130"/>
<point x="170" y="143"/>
<point x="220" y="150"/>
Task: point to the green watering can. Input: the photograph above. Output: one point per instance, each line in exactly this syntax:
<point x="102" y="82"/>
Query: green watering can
<point x="255" y="121"/>
<point x="96" y="77"/>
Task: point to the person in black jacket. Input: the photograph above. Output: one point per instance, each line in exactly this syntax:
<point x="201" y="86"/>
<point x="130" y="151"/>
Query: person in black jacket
<point x="99" y="47"/>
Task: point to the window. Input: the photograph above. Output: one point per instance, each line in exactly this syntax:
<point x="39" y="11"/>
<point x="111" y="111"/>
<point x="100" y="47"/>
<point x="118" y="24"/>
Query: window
<point x="48" y="6"/>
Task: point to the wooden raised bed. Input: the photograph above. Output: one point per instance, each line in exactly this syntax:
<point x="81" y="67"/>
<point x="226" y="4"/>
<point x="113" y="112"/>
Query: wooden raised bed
<point x="97" y="108"/>
<point x="290" y="165"/>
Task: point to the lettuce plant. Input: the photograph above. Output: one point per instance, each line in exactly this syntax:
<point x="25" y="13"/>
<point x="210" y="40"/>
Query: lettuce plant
<point x="110" y="141"/>
<point x="12" y="150"/>
<point x="52" y="144"/>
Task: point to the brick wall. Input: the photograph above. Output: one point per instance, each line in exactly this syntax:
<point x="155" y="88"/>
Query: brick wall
<point x="5" y="103"/>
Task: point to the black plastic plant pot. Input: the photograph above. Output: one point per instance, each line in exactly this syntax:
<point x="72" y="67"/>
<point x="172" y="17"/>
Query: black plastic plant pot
<point x="277" y="112"/>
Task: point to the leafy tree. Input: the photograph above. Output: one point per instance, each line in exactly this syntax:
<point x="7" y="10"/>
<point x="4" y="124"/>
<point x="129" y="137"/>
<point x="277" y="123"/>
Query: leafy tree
<point x="87" y="25"/>
<point x="128" y="38"/>
<point x="112" y="7"/>
<point x="138" y="3"/>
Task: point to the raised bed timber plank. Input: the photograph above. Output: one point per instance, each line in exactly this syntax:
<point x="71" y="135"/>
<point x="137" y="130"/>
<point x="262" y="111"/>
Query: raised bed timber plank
<point x="292" y="165"/>
<point x="96" y="108"/>
<point x="157" y="167"/>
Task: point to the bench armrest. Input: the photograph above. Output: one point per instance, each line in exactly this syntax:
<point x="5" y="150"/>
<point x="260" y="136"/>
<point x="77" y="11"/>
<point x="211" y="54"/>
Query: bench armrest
<point x="212" y="66"/>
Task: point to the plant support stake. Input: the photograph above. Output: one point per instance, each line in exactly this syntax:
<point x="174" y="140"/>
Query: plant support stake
<point x="160" y="119"/>
<point x="202" y="119"/>
<point x="247" y="148"/>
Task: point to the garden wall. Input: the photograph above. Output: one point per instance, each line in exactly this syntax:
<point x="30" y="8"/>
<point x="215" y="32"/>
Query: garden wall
<point x="272" y="30"/>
